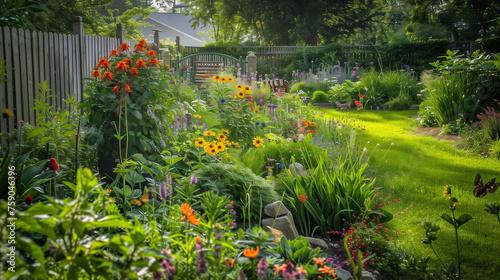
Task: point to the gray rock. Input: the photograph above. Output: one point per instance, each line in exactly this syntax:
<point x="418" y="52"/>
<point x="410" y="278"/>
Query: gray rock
<point x="298" y="169"/>
<point x="284" y="224"/>
<point x="343" y="274"/>
<point x="271" y="209"/>
<point x="414" y="106"/>
<point x="318" y="242"/>
<point x="368" y="276"/>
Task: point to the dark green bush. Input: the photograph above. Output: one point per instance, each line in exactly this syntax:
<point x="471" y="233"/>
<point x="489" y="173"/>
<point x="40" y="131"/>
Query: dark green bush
<point x="236" y="182"/>
<point x="319" y="97"/>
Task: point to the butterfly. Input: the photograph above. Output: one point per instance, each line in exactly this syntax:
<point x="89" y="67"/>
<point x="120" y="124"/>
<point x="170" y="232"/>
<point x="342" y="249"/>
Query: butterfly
<point x="481" y="189"/>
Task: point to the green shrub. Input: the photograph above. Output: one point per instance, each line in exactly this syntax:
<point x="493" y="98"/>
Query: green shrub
<point x="297" y="87"/>
<point x="236" y="182"/>
<point x="330" y="197"/>
<point x="495" y="149"/>
<point x="458" y="96"/>
<point x="319" y="97"/>
<point x="397" y="90"/>
<point x="426" y="115"/>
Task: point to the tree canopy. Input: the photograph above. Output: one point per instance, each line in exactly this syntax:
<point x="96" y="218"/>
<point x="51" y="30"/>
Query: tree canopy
<point x="100" y="16"/>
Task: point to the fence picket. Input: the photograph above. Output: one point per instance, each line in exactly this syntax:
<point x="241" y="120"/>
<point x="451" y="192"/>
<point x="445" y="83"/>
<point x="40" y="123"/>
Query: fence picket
<point x="7" y="37"/>
<point x="29" y="75"/>
<point x="3" y="89"/>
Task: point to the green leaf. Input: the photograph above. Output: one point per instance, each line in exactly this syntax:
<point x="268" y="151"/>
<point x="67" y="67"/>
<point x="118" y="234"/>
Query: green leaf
<point x="464" y="218"/>
<point x="136" y="114"/>
<point x="68" y="133"/>
<point x="36" y="131"/>
<point x="447" y="218"/>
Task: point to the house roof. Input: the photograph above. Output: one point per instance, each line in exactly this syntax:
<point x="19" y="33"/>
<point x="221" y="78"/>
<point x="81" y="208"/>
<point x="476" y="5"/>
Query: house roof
<point x="179" y="22"/>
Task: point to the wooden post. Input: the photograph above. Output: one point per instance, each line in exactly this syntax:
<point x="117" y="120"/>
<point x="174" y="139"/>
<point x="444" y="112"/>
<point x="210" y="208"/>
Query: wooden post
<point x="78" y="26"/>
<point x="119" y="32"/>
<point x="78" y="31"/>
<point x="157" y="38"/>
<point x="251" y="63"/>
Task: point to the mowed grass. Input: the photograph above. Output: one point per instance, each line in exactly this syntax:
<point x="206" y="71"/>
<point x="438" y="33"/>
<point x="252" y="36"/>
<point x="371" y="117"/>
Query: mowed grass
<point x="416" y="169"/>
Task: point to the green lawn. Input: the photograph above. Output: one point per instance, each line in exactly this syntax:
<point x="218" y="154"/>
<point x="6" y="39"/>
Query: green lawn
<point x="416" y="169"/>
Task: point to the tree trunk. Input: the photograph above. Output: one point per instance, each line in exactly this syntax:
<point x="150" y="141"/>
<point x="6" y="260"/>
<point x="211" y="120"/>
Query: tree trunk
<point x="312" y="39"/>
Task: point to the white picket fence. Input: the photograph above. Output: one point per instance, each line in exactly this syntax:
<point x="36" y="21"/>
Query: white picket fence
<point x="60" y="59"/>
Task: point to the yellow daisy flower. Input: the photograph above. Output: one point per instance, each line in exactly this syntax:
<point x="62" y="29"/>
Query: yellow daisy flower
<point x="211" y="149"/>
<point x="197" y="116"/>
<point x="238" y="87"/>
<point x="220" y="146"/>
<point x="248" y="90"/>
<point x="241" y="94"/>
<point x="216" y="78"/>
<point x="208" y="133"/>
<point x="257" y="142"/>
<point x="225" y="131"/>
<point x="221" y="137"/>
<point x="223" y="79"/>
<point x="230" y="79"/>
<point x="200" y="142"/>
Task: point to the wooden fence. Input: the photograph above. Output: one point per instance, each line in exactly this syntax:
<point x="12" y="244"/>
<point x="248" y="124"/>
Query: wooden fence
<point x="32" y="57"/>
<point x="272" y="55"/>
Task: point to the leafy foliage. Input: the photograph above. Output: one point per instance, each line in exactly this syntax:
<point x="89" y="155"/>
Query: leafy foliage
<point x="237" y="182"/>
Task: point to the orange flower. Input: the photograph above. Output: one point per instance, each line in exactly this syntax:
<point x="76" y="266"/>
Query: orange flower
<point x="251" y="253"/>
<point x="116" y="89"/>
<point x="143" y="42"/>
<point x="278" y="269"/>
<point x="301" y="270"/>
<point x="303" y="197"/>
<point x="128" y="61"/>
<point x="140" y="63"/>
<point x="255" y="109"/>
<point x="95" y="73"/>
<point x="122" y="66"/>
<point x="134" y="72"/>
<point x="312" y="124"/>
<point x="151" y="53"/>
<point x="135" y="202"/>
<point x="357" y="103"/>
<point x="127" y="88"/>
<point x="139" y="47"/>
<point x="114" y="53"/>
<point x="198" y="239"/>
<point x="186" y="210"/>
<point x="250" y="103"/>
<point x="107" y="76"/>
<point x="229" y="263"/>
<point x="319" y="261"/>
<point x="360" y="96"/>
<point x="305" y="123"/>
<point x="124" y="47"/>
<point x="144" y="197"/>
<point x="152" y="62"/>
<point x="104" y="63"/>
<point x="327" y="270"/>
<point x="192" y="219"/>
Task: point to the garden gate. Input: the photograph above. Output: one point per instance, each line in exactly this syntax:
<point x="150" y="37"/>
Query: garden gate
<point x="201" y="66"/>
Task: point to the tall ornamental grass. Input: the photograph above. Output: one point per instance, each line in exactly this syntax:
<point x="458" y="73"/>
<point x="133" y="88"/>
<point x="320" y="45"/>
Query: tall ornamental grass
<point x="396" y="90"/>
<point x="456" y="96"/>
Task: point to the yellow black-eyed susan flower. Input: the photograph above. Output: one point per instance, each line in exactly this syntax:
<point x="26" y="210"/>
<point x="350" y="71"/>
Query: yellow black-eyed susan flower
<point x="220" y="146"/>
<point x="200" y="142"/>
<point x="257" y="142"/>
<point x="208" y="133"/>
<point x="221" y="137"/>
